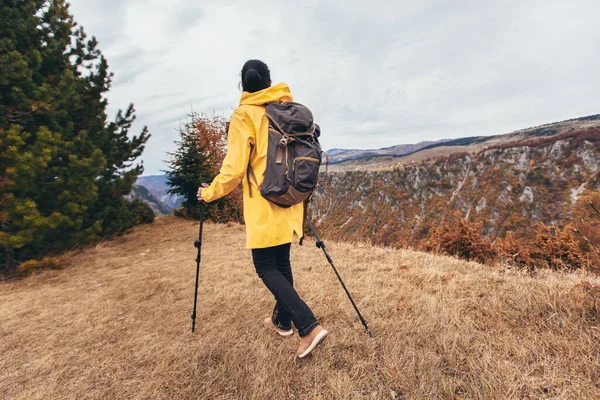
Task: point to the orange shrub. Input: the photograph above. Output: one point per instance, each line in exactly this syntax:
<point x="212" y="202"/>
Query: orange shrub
<point x="552" y="247"/>
<point x="556" y="248"/>
<point x="586" y="227"/>
<point x="461" y="238"/>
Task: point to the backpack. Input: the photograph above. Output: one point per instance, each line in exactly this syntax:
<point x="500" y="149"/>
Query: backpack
<point x="293" y="155"/>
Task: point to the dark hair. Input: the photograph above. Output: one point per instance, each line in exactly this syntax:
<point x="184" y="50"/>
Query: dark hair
<point x="255" y="76"/>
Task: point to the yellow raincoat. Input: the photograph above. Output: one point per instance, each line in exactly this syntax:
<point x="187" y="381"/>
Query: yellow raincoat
<point x="266" y="223"/>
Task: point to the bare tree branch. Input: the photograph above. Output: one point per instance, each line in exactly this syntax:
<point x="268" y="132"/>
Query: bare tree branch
<point x="593" y="207"/>
<point x="578" y="232"/>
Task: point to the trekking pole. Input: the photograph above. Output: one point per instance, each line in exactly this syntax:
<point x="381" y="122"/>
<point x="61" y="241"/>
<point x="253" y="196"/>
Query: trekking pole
<point x="321" y="245"/>
<point x="198" y="245"/>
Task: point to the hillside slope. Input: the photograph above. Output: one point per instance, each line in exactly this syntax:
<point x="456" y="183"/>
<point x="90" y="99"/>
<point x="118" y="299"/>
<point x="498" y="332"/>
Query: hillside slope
<point x="114" y="323"/>
<point x="143" y="194"/>
<point x="157" y="186"/>
<point x="508" y="188"/>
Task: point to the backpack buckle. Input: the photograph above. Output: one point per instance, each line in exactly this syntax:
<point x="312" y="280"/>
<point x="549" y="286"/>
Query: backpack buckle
<point x="284" y="141"/>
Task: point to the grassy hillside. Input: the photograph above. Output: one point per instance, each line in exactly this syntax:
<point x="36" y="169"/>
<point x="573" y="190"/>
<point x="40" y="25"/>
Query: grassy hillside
<point x="114" y="323"/>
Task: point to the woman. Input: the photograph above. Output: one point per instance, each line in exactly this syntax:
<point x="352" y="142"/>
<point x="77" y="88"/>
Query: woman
<point x="269" y="228"/>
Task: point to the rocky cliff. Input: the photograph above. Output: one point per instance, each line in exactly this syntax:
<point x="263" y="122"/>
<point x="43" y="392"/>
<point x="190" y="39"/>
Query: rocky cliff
<point x="509" y="187"/>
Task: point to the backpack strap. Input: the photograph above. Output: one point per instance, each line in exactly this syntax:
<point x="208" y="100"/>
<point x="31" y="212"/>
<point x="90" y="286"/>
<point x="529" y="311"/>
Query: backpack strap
<point x="308" y="200"/>
<point x="304" y="216"/>
<point x="250" y="173"/>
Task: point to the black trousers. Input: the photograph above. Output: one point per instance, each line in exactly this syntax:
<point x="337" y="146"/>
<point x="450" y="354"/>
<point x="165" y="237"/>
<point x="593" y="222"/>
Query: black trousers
<point x="273" y="267"/>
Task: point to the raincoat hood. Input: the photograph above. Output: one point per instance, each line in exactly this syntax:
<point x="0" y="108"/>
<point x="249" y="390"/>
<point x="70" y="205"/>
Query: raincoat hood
<point x="276" y="93"/>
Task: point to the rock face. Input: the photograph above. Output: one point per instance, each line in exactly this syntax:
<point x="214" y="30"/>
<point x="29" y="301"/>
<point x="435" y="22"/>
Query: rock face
<point x="142" y="193"/>
<point x="506" y="188"/>
<point x="527" y="195"/>
<point x="481" y="205"/>
<point x="157" y="186"/>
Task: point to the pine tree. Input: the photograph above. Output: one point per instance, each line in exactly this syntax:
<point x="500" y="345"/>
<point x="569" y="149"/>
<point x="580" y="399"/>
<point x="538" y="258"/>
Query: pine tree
<point x="190" y="166"/>
<point x="63" y="168"/>
<point x="198" y="159"/>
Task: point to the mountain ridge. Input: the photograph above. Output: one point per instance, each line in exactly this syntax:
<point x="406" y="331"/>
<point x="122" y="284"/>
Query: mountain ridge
<point x="366" y="159"/>
<point x="158" y="187"/>
<point x="339" y="155"/>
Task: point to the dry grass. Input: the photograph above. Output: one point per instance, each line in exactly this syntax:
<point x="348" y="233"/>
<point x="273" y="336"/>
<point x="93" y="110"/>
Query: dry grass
<point x="115" y="324"/>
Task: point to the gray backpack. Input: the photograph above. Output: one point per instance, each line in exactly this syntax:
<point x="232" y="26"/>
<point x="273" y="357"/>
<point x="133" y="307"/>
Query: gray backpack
<point x="293" y="155"/>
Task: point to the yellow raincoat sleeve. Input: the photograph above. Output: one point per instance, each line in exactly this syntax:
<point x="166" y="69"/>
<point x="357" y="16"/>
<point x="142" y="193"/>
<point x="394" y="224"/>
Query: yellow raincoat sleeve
<point x="240" y="138"/>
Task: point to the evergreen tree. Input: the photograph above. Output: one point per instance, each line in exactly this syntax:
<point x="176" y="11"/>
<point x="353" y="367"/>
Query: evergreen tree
<point x="190" y="165"/>
<point x="198" y="159"/>
<point x="63" y="167"/>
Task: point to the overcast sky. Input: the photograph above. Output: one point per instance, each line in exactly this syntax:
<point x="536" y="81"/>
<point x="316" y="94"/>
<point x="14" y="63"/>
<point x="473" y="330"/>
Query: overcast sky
<point x="374" y="73"/>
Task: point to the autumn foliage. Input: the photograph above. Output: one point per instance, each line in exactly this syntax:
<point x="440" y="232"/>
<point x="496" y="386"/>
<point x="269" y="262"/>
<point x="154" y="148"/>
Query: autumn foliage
<point x="212" y="135"/>
<point x="571" y="247"/>
<point x="198" y="158"/>
<point x="587" y="226"/>
<point x="458" y="237"/>
<point x="552" y="247"/>
<point x="522" y="203"/>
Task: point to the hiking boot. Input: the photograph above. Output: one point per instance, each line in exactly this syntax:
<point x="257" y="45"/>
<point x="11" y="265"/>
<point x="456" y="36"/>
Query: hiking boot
<point x="269" y="324"/>
<point x="310" y="341"/>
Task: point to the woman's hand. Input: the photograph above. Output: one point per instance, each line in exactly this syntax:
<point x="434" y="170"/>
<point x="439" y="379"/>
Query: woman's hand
<point x="200" y="189"/>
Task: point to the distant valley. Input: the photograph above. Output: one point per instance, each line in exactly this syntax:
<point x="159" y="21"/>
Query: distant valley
<point x="153" y="190"/>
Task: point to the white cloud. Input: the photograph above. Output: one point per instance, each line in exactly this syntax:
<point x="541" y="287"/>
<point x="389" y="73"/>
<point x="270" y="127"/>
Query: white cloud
<point x="374" y="73"/>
